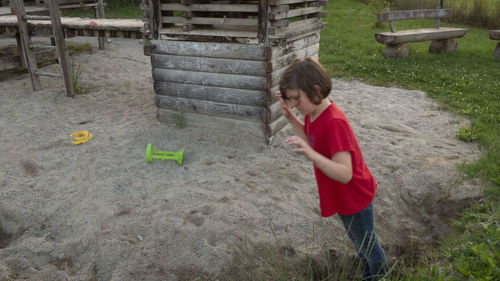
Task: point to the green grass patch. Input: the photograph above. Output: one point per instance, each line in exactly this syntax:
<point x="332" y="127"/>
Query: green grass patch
<point x="465" y="82"/>
<point x="78" y="48"/>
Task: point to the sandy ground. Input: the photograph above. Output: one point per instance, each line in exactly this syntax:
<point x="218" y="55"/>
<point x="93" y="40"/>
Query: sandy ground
<point x="98" y="211"/>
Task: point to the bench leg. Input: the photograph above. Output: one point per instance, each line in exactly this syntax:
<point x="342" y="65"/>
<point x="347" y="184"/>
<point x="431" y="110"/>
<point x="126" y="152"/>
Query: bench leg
<point x="446" y="45"/>
<point x="497" y="51"/>
<point x="396" y="51"/>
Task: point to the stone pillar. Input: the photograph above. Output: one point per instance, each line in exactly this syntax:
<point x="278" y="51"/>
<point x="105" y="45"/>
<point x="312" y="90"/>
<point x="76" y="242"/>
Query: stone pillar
<point x="396" y="51"/>
<point x="446" y="45"/>
<point x="497" y="51"/>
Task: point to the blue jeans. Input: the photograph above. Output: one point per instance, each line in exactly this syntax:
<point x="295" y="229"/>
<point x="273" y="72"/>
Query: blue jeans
<point x="360" y="229"/>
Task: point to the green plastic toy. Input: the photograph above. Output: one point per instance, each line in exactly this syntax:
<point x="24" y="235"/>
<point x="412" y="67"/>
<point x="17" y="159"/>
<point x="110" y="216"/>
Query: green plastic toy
<point x="164" y="155"/>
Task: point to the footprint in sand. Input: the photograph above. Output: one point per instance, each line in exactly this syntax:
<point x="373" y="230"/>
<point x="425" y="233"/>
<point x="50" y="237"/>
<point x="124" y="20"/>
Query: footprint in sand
<point x="197" y="218"/>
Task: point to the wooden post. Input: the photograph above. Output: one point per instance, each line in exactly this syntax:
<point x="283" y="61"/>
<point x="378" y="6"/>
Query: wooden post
<point x="62" y="52"/>
<point x="100" y="15"/>
<point x="437" y="19"/>
<point x="29" y="57"/>
<point x="391" y="24"/>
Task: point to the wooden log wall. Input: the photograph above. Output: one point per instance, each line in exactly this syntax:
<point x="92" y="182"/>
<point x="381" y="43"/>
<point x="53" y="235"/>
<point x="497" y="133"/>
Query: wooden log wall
<point x="239" y="21"/>
<point x="223" y="85"/>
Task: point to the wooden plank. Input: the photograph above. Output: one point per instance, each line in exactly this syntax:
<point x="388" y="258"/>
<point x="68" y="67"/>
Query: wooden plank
<point x="291" y="47"/>
<point x="30" y="60"/>
<point x="297" y="54"/>
<point x="99" y="14"/>
<point x="418" y="35"/>
<point x="221" y="124"/>
<point x="274" y="112"/>
<point x="297" y="26"/>
<point x="294" y="13"/>
<point x="213" y="21"/>
<point x="413" y="14"/>
<point x="213" y="50"/>
<point x="210" y="32"/>
<point x="62" y="52"/>
<point x="243" y="8"/>
<point x="292" y="33"/>
<point x="263" y="26"/>
<point x="274" y="77"/>
<point x="279" y="9"/>
<point x="210" y="79"/>
<point x="494" y="34"/>
<point x="204" y="64"/>
<point x="210" y="93"/>
<point x="286" y="2"/>
<point x="276" y="126"/>
<point x="234" y="111"/>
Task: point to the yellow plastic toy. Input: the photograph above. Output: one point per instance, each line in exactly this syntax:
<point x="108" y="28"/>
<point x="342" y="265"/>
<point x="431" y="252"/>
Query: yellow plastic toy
<point x="81" y="137"/>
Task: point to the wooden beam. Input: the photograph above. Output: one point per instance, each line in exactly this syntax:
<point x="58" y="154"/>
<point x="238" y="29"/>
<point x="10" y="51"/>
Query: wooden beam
<point x="210" y="93"/>
<point x="297" y="26"/>
<point x="235" y="111"/>
<point x="213" y="21"/>
<point x="221" y="124"/>
<point x="243" y="8"/>
<point x="291" y="47"/>
<point x="494" y="34"/>
<point x="413" y="14"/>
<point x="62" y="52"/>
<point x="286" y="2"/>
<point x="210" y="79"/>
<point x="30" y="60"/>
<point x="294" y="13"/>
<point x="213" y="50"/>
<point x="214" y="65"/>
<point x="419" y="35"/>
<point x="209" y="32"/>
<point x="297" y="54"/>
<point x="275" y="126"/>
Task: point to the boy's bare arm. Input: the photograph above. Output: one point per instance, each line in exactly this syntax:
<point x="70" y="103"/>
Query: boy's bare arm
<point x="338" y="168"/>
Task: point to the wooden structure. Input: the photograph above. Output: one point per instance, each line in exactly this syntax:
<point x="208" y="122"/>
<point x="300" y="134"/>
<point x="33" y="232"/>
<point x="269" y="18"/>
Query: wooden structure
<point x="96" y="5"/>
<point x="60" y="44"/>
<point x="442" y="38"/>
<point x="217" y="64"/>
<point x="120" y="28"/>
<point x="495" y="35"/>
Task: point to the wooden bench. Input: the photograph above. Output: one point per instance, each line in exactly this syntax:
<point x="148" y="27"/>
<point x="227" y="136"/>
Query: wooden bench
<point x="442" y="39"/>
<point x="495" y="35"/>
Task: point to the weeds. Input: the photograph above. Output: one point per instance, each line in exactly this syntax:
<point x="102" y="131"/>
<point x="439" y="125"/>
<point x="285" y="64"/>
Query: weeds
<point x="76" y="77"/>
<point x="179" y="121"/>
<point x="78" y="48"/>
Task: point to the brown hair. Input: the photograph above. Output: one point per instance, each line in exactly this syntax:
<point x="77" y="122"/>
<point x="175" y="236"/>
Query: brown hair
<point x="304" y="74"/>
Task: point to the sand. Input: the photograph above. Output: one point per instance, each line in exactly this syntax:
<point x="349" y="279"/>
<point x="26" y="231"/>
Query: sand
<point x="98" y="211"/>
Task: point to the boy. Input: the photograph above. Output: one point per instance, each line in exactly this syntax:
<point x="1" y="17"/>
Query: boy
<point x="345" y="184"/>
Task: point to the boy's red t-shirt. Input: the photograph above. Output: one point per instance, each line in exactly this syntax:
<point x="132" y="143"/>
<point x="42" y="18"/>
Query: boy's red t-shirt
<point x="328" y="134"/>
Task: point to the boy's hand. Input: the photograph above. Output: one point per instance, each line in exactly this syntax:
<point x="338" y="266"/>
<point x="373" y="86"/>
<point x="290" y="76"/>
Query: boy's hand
<point x="285" y="107"/>
<point x="302" y="147"/>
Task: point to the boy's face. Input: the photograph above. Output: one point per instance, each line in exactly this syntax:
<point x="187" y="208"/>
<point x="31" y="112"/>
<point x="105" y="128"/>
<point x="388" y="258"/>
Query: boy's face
<point x="299" y="99"/>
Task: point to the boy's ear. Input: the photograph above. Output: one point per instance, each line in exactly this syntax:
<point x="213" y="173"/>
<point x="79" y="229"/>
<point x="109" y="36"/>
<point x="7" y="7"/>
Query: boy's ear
<point x="317" y="90"/>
